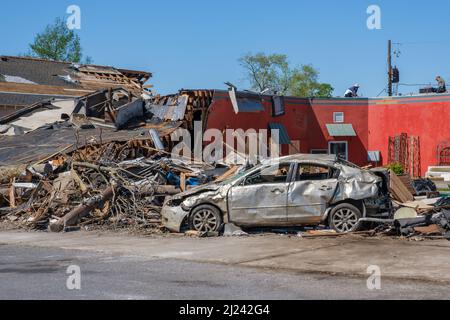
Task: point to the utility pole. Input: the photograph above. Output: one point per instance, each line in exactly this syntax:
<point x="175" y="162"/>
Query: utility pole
<point x="390" y="68"/>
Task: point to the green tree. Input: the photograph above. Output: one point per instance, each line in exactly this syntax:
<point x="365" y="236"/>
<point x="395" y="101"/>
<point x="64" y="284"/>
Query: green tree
<point x="274" y="72"/>
<point x="305" y="83"/>
<point x="267" y="71"/>
<point x="58" y="42"/>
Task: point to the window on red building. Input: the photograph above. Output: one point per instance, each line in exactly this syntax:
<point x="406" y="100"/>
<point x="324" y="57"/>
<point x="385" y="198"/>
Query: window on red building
<point x="340" y="148"/>
<point x="338" y="117"/>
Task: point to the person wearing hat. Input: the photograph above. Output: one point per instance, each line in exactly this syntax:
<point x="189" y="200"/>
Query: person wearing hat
<point x="352" y="92"/>
<point x="441" y="85"/>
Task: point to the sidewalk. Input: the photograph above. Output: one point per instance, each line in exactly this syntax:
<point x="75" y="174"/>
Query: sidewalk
<point x="428" y="261"/>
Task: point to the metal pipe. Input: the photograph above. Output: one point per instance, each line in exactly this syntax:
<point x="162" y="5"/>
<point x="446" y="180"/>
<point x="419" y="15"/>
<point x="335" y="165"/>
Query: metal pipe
<point x="377" y="220"/>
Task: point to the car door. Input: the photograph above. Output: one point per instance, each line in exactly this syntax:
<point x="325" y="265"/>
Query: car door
<point x="311" y="190"/>
<point x="261" y="198"/>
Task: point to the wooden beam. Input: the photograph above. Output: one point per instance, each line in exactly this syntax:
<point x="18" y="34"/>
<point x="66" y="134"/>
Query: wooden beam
<point x="12" y="195"/>
<point x="183" y="181"/>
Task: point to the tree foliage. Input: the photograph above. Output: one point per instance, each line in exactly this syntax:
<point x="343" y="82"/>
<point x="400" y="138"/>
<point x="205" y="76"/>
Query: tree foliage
<point x="274" y="72"/>
<point x="304" y="82"/>
<point x="267" y="71"/>
<point x="58" y="42"/>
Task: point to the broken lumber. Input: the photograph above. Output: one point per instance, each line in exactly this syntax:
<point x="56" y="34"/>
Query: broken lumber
<point x="399" y="191"/>
<point x="72" y="218"/>
<point x="12" y="195"/>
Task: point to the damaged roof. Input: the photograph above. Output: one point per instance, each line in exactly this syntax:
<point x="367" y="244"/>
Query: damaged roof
<point x="43" y="72"/>
<point x="52" y="73"/>
<point x="24" y="80"/>
<point x="9" y="98"/>
<point x="60" y="137"/>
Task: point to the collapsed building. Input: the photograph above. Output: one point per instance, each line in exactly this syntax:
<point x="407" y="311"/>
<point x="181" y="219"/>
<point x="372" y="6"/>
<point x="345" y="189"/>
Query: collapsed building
<point x="25" y="81"/>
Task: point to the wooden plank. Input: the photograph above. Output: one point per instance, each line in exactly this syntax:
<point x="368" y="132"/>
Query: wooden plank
<point x="407" y="181"/>
<point x="12" y="195"/>
<point x="399" y="191"/>
<point x="183" y="181"/>
<point x="227" y="174"/>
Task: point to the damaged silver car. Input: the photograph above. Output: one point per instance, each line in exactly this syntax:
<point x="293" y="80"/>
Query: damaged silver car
<point x="292" y="191"/>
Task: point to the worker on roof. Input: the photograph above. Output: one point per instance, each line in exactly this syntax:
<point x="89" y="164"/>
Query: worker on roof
<point x="352" y="92"/>
<point x="441" y="85"/>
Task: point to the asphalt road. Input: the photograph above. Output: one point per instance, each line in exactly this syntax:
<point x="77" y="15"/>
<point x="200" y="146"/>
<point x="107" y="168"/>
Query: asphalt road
<point x="40" y="273"/>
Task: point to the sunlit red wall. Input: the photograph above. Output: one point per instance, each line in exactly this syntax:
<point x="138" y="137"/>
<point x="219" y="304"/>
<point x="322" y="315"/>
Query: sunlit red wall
<point x="373" y="120"/>
<point x="425" y="117"/>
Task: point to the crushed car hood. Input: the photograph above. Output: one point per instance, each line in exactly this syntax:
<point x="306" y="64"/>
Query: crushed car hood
<point x="197" y="190"/>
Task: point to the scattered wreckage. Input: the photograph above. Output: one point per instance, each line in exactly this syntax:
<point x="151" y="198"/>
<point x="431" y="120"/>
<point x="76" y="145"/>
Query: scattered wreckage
<point x="116" y="184"/>
<point x="103" y="160"/>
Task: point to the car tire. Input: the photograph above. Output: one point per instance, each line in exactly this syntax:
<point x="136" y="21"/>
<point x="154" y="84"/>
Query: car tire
<point x="344" y="218"/>
<point x="205" y="218"/>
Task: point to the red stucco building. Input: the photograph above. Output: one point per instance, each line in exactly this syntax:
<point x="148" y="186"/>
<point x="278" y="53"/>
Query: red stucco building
<point x="353" y="127"/>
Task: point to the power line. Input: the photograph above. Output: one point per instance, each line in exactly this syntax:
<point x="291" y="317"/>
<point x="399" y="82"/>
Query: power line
<point x="421" y="42"/>
<point x="414" y="85"/>
<point x="384" y="90"/>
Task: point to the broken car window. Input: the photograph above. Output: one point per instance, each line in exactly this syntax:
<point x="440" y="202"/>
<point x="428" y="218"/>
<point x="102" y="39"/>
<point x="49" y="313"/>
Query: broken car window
<point x="273" y="174"/>
<point x="314" y="172"/>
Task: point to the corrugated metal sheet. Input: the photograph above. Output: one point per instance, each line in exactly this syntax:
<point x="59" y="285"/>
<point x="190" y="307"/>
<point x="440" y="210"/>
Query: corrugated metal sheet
<point x="180" y="109"/>
<point x="171" y="111"/>
<point x="283" y="134"/>
<point x="159" y="111"/>
<point x="156" y="139"/>
<point x="341" y="130"/>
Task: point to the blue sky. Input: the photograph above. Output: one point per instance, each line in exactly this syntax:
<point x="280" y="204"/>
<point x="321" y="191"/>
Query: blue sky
<point x="196" y="43"/>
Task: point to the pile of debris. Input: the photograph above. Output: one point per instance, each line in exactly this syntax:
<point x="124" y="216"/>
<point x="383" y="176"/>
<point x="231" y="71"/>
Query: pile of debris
<point x="420" y="209"/>
<point x="105" y="164"/>
<point x="419" y="219"/>
<point x="412" y="221"/>
<point x="102" y="189"/>
<point x="100" y="159"/>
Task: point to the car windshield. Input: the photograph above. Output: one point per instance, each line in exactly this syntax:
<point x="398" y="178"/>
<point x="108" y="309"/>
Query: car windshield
<point x="239" y="175"/>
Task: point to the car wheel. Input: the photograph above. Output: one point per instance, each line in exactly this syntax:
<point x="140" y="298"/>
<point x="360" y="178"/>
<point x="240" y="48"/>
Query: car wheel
<point x="205" y="218"/>
<point x="345" y="218"/>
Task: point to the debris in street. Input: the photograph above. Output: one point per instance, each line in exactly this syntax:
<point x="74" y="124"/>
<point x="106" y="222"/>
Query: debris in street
<point x="102" y="159"/>
<point x="430" y="224"/>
